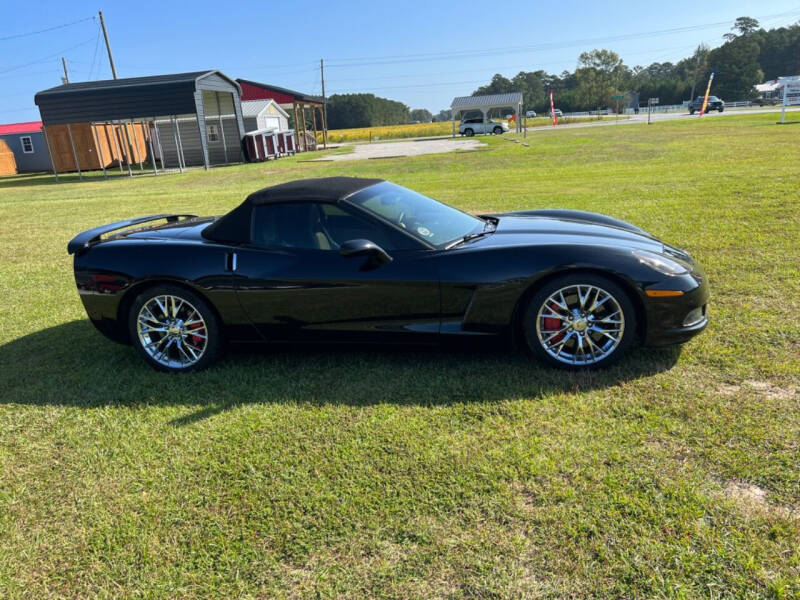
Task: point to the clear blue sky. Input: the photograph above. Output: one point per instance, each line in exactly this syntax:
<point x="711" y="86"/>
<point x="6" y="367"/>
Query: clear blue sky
<point x="421" y="53"/>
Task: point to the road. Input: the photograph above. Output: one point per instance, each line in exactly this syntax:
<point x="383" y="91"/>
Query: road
<point x="655" y="117"/>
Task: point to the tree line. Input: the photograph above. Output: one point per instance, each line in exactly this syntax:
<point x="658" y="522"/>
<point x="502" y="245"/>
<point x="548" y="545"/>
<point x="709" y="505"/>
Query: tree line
<point x="749" y="55"/>
<point x="346" y="111"/>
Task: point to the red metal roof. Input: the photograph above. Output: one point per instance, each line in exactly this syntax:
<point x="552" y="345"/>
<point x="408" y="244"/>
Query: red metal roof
<point x="253" y="90"/>
<point x="28" y="127"/>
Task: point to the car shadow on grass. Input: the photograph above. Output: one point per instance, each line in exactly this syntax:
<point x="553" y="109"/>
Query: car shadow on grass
<point x="73" y="365"/>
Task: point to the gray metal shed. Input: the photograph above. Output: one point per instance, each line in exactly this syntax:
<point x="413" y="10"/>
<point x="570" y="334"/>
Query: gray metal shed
<point x="27" y="144"/>
<point x="208" y="98"/>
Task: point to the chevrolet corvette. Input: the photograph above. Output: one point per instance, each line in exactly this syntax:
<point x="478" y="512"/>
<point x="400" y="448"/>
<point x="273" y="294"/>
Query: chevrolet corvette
<point x="364" y="260"/>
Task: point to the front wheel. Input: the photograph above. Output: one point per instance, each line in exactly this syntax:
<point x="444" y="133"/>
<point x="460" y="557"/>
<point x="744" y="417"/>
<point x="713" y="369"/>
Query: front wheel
<point x="174" y="329"/>
<point x="721" y="109"/>
<point x="498" y="130"/>
<point x="691" y="111"/>
<point x="469" y="132"/>
<point x="579" y="322"/>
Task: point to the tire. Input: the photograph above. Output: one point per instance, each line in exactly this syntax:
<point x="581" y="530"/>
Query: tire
<point x="594" y="339"/>
<point x="498" y="130"/>
<point x="174" y="329"/>
<point x="691" y="111"/>
<point x="721" y="109"/>
<point x="468" y="132"/>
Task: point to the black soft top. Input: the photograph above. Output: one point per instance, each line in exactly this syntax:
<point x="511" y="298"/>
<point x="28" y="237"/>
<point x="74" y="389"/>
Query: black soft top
<point x="234" y="227"/>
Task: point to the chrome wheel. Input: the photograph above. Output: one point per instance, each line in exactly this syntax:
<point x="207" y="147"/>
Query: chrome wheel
<point x="580" y="324"/>
<point x="172" y="331"/>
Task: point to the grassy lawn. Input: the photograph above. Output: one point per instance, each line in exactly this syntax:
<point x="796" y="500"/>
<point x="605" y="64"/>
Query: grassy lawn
<point x="354" y="473"/>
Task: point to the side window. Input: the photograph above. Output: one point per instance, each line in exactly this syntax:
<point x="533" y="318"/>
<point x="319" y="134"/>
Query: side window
<point x="288" y="225"/>
<point x="27" y="144"/>
<point x="341" y="225"/>
<point x="320" y="226"/>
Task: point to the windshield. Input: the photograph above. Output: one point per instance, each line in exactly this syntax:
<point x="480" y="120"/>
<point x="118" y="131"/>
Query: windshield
<point x="426" y="219"/>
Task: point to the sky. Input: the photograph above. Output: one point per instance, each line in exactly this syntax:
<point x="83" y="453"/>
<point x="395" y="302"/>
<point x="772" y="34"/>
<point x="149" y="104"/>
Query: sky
<point x="420" y="53"/>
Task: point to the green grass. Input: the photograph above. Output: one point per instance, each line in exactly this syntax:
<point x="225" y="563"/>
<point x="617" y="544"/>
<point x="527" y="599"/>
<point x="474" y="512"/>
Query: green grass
<point x="358" y="473"/>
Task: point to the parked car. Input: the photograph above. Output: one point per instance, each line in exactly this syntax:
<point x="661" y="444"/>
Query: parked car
<point x="531" y="114"/>
<point x="470" y="127"/>
<point x="558" y="112"/>
<point x="714" y="103"/>
<point x="345" y="259"/>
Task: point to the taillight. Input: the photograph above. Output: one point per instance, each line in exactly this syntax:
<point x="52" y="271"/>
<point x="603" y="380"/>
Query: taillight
<point x="106" y="283"/>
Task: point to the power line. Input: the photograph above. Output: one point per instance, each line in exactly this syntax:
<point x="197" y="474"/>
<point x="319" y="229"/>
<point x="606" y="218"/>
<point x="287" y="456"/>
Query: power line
<point x="499" y="69"/>
<point x="407" y="58"/>
<point x="19" y="35"/>
<point x="94" y="56"/>
<point x="48" y="57"/>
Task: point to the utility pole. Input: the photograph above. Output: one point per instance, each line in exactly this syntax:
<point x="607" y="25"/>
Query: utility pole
<point x="66" y="75"/>
<point x="108" y="46"/>
<point x="322" y="77"/>
<point x="696" y="68"/>
<point x="324" y="102"/>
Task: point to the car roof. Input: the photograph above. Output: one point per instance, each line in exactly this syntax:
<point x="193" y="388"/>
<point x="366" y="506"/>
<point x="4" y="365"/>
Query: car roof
<point x="234" y="227"/>
<point x="320" y="189"/>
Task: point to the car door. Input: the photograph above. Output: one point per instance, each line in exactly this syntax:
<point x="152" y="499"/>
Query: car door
<point x="294" y="284"/>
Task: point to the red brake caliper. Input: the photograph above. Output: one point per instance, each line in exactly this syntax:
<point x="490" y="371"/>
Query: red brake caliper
<point x="199" y="328"/>
<point x="553" y="324"/>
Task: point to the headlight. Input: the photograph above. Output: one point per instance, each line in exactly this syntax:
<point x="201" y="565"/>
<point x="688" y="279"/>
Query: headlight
<point x="660" y="263"/>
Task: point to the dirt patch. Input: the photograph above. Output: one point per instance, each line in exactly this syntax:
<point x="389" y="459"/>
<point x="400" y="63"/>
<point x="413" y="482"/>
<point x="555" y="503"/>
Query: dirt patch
<point x="407" y="148"/>
<point x="753" y="500"/>
<point x="767" y="389"/>
<point x="772" y="391"/>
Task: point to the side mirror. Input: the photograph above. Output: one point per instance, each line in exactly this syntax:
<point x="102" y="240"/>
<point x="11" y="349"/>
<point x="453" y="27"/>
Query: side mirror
<point x="366" y="248"/>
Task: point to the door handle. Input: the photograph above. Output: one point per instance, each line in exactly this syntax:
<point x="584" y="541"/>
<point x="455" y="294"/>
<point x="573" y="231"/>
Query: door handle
<point x="231" y="261"/>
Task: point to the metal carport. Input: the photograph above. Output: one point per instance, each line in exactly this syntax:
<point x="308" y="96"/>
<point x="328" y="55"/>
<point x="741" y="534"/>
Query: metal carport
<point x="197" y="96"/>
<point x="463" y="104"/>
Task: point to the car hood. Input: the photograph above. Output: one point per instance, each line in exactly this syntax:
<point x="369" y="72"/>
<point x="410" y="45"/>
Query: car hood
<point x="520" y="230"/>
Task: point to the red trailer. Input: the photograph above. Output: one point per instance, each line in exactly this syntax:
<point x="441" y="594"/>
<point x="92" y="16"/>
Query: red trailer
<point x="262" y="144"/>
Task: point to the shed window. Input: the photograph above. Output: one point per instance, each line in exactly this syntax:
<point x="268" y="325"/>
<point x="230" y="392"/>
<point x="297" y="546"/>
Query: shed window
<point x="27" y="144"/>
<point x="212" y="129"/>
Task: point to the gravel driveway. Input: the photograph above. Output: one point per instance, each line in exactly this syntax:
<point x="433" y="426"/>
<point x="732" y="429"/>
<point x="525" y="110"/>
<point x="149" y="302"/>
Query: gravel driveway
<point x="406" y="148"/>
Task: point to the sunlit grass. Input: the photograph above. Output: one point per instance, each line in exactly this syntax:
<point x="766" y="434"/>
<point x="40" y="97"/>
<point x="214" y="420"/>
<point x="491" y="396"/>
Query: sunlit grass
<point x="418" y="473"/>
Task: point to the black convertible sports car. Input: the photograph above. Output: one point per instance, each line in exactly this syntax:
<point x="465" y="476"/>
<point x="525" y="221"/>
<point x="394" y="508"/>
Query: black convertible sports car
<point x="344" y="259"/>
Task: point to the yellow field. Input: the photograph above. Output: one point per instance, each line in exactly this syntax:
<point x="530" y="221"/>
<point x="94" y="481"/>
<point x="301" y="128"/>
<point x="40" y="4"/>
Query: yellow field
<point x="391" y="132"/>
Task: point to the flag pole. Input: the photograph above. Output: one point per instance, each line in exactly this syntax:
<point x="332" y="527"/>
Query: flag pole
<point x="705" y="98"/>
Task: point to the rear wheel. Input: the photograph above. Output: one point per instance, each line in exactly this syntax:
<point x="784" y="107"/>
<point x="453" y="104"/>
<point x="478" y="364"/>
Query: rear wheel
<point x="174" y="330"/>
<point x="691" y="111"/>
<point x="579" y="322"/>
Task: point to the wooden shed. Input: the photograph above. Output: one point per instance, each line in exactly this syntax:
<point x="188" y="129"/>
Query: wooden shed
<point x="8" y="166"/>
<point x="97" y="146"/>
<point x="26" y="141"/>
